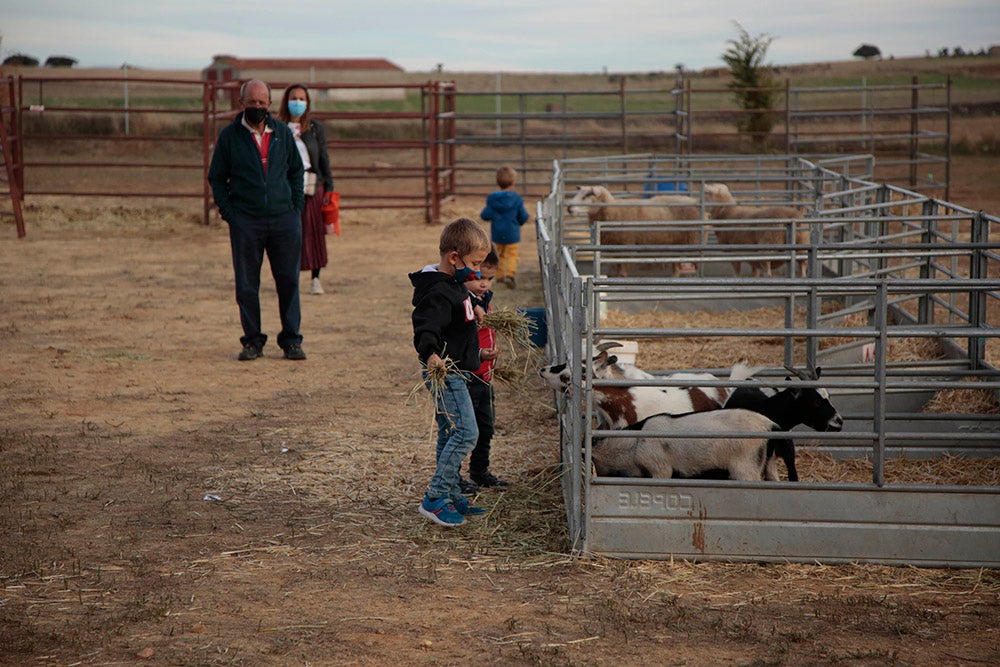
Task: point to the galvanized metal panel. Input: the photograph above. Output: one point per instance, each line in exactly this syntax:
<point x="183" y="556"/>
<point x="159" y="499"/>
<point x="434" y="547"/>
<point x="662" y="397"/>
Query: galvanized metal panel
<point x="934" y="526"/>
<point x="806" y="522"/>
<point x="922" y="438"/>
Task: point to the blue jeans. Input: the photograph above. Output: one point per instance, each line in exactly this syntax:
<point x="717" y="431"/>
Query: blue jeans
<point x="457" y="434"/>
<point x="280" y="237"/>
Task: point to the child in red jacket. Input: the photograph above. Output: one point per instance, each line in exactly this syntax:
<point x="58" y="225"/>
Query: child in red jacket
<point x="481" y="384"/>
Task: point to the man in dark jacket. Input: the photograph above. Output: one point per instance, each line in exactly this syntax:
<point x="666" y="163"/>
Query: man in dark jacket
<point x="256" y="178"/>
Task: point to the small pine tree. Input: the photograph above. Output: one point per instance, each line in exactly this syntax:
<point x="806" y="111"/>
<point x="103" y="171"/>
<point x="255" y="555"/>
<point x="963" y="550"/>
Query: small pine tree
<point x="752" y="83"/>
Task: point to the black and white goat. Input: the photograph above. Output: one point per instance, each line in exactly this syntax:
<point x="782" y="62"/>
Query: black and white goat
<point x="742" y="458"/>
<point x="618" y="407"/>
<point x="788" y="408"/>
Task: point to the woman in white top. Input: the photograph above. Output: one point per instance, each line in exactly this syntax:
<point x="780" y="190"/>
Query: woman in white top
<point x="310" y="138"/>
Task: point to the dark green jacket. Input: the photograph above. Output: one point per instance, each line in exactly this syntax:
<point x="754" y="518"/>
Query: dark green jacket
<point x="237" y="177"/>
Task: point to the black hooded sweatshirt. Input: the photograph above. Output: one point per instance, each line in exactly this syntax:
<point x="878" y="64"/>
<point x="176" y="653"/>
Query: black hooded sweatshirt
<point x="443" y="319"/>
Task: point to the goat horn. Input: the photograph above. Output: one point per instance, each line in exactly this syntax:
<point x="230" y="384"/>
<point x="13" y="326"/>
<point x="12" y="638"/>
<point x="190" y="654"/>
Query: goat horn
<point x="799" y="374"/>
<point x="608" y="345"/>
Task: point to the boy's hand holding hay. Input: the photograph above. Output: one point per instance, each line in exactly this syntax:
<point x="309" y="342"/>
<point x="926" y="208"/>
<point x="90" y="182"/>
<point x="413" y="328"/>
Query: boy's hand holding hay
<point x="516" y="328"/>
<point x="437" y="369"/>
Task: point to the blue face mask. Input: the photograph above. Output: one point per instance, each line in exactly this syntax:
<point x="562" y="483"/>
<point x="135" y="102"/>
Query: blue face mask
<point x="296" y="107"/>
<point x="463" y="274"/>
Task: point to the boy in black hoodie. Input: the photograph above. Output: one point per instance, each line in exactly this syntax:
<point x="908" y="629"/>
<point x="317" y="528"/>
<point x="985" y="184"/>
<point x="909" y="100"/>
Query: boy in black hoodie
<point x="445" y="327"/>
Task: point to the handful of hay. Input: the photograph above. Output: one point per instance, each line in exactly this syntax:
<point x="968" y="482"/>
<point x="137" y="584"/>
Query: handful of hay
<point x="433" y="379"/>
<point x="515" y="328"/>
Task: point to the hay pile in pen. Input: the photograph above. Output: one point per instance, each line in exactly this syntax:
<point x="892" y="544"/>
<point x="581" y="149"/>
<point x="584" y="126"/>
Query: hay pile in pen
<point x="815" y="466"/>
<point x="677" y="353"/>
<point x="963" y="401"/>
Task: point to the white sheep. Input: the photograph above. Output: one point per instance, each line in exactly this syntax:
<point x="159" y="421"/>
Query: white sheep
<point x="594" y="200"/>
<point x="743" y="458"/>
<point x="726" y="208"/>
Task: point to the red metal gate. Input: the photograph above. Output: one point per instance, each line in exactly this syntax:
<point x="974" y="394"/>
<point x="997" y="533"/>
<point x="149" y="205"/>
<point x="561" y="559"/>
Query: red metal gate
<point x="153" y="138"/>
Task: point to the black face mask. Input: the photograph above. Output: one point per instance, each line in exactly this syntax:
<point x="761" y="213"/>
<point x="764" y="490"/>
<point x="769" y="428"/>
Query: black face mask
<point x="255" y="115"/>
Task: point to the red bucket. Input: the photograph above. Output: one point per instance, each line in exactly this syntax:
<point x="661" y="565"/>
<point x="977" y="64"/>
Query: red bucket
<point x="331" y="214"/>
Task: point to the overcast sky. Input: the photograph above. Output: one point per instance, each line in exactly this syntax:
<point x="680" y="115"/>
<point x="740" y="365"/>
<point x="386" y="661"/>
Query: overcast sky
<point x="481" y="35"/>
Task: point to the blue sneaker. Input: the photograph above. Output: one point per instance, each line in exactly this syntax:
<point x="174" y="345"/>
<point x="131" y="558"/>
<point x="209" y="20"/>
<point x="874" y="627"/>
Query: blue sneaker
<point x="441" y="511"/>
<point x="462" y="506"/>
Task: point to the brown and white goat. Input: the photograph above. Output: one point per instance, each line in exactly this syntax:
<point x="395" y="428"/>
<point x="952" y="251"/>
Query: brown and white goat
<point x="618" y="407"/>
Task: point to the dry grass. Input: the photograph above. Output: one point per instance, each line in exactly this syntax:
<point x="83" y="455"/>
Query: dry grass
<point x="519" y="360"/>
<point x="963" y="401"/>
<point x="513" y="326"/>
<point x="814" y="466"/>
<point x="526" y="527"/>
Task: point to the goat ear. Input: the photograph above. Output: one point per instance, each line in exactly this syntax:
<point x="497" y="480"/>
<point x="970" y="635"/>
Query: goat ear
<point x="612" y="360"/>
<point x="819" y="369"/>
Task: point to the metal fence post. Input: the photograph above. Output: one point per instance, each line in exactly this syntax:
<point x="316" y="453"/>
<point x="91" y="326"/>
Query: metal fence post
<point x="881" y="360"/>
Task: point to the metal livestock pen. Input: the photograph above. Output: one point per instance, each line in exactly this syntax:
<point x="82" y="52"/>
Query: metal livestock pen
<point x="885" y="267"/>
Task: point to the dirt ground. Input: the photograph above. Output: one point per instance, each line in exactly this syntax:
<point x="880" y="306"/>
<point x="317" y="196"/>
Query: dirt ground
<point x="162" y="503"/>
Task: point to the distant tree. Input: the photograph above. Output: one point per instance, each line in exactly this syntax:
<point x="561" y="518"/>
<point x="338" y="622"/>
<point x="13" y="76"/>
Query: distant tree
<point x="60" y="61"/>
<point x="867" y="51"/>
<point x="752" y="83"/>
<point x="943" y="53"/>
<point x="21" y="59"/>
<point x="957" y="52"/>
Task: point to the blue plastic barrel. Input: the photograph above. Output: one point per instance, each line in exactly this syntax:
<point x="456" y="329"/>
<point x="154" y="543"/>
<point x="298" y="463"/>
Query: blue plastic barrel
<point x="651" y="187"/>
<point x="537" y="327"/>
